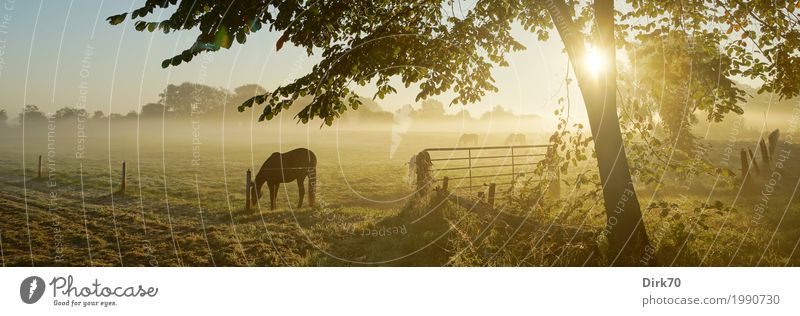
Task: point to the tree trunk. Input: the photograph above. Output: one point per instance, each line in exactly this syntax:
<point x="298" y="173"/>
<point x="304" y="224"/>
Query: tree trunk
<point x="627" y="238"/>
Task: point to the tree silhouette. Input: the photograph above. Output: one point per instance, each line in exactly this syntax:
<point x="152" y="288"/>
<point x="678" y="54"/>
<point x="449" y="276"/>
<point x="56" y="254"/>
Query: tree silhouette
<point x="152" y="110"/>
<point x="189" y="99"/>
<point x="69" y="113"/>
<point x="31" y="115"/>
<point x="3" y="118"/>
<point x="497" y="112"/>
<point x="430" y="109"/>
<point x="246" y="92"/>
<point x="237" y="97"/>
<point x="97" y="115"/>
<point x="427" y="43"/>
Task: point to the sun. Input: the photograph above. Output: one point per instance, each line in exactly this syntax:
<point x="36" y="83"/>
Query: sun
<point x="594" y="61"/>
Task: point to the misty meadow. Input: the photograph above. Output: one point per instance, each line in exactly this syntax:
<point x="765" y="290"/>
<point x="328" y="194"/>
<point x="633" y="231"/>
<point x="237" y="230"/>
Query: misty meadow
<point x="385" y="133"/>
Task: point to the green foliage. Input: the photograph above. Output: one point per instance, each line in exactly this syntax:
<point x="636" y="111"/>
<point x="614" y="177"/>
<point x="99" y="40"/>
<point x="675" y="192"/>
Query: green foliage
<point x="360" y="42"/>
<point x="679" y="74"/>
<point x="424" y="43"/>
<point x="645" y="141"/>
<point x="758" y="39"/>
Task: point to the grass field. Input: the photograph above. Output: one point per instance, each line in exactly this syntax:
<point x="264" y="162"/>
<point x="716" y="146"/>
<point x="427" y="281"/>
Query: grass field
<point x="184" y="206"/>
<point x="182" y="209"/>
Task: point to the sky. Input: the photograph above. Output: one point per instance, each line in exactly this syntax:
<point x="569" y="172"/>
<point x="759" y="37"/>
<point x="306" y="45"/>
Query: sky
<point x="59" y="53"/>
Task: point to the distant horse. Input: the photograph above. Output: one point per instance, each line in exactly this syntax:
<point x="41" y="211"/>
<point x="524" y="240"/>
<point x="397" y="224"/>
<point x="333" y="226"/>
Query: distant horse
<point x="516" y="139"/>
<point x="468" y="139"/>
<point x="286" y="167"/>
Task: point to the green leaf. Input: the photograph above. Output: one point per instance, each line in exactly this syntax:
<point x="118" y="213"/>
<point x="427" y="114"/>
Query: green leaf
<point x="247" y="104"/>
<point x="140" y="25"/>
<point x="117" y="19"/>
<point x="187" y="56"/>
<point x="223" y="38"/>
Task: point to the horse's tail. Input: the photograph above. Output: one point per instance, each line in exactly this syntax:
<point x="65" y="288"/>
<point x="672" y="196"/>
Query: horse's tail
<point x="255" y="189"/>
<point x="312" y="185"/>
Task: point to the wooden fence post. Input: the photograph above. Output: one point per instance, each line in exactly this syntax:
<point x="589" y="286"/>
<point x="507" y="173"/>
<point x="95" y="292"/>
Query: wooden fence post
<point x="764" y="154"/>
<point x="513" y="169"/>
<point x="247" y="184"/>
<point x="124" y="178"/>
<point x="424" y="174"/>
<point x="40" y="166"/>
<point x="745" y="166"/>
<point x="490" y="198"/>
<point x="753" y="161"/>
<point x="773" y="140"/>
<point x="445" y="183"/>
<point x="469" y="164"/>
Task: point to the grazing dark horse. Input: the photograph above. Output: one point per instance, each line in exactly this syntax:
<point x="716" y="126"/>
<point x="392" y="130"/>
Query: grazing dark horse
<point x="286" y="167"/>
<point x="468" y="139"/>
<point x="516" y="139"/>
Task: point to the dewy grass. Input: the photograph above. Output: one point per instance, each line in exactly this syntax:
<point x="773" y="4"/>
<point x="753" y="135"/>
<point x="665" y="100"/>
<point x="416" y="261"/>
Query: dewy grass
<point x="176" y="214"/>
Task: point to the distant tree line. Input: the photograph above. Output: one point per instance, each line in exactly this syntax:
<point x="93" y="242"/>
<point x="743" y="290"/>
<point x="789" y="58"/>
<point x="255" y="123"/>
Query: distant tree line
<point x="435" y="111"/>
<point x="175" y="102"/>
<point x="194" y="100"/>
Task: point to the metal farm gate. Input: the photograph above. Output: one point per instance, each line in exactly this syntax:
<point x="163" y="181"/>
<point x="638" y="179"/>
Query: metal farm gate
<point x="481" y="170"/>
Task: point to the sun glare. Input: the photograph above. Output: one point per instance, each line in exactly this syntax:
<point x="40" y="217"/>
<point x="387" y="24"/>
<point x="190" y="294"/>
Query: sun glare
<point x="594" y="61"/>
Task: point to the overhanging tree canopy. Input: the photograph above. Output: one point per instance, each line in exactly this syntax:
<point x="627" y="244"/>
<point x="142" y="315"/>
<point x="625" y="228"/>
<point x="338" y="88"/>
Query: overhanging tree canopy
<point x="442" y="45"/>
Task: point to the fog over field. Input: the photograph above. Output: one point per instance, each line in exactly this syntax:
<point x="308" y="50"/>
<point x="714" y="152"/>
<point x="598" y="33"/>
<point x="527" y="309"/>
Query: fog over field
<point x="185" y="200"/>
<point x="399" y="133"/>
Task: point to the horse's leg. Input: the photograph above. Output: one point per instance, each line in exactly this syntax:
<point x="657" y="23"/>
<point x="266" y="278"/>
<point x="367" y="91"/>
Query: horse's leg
<point x="301" y="189"/>
<point x="273" y="194"/>
<point x="255" y="192"/>
<point x="312" y="186"/>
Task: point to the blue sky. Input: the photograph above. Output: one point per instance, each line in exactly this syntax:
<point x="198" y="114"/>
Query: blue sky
<point x="51" y="48"/>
